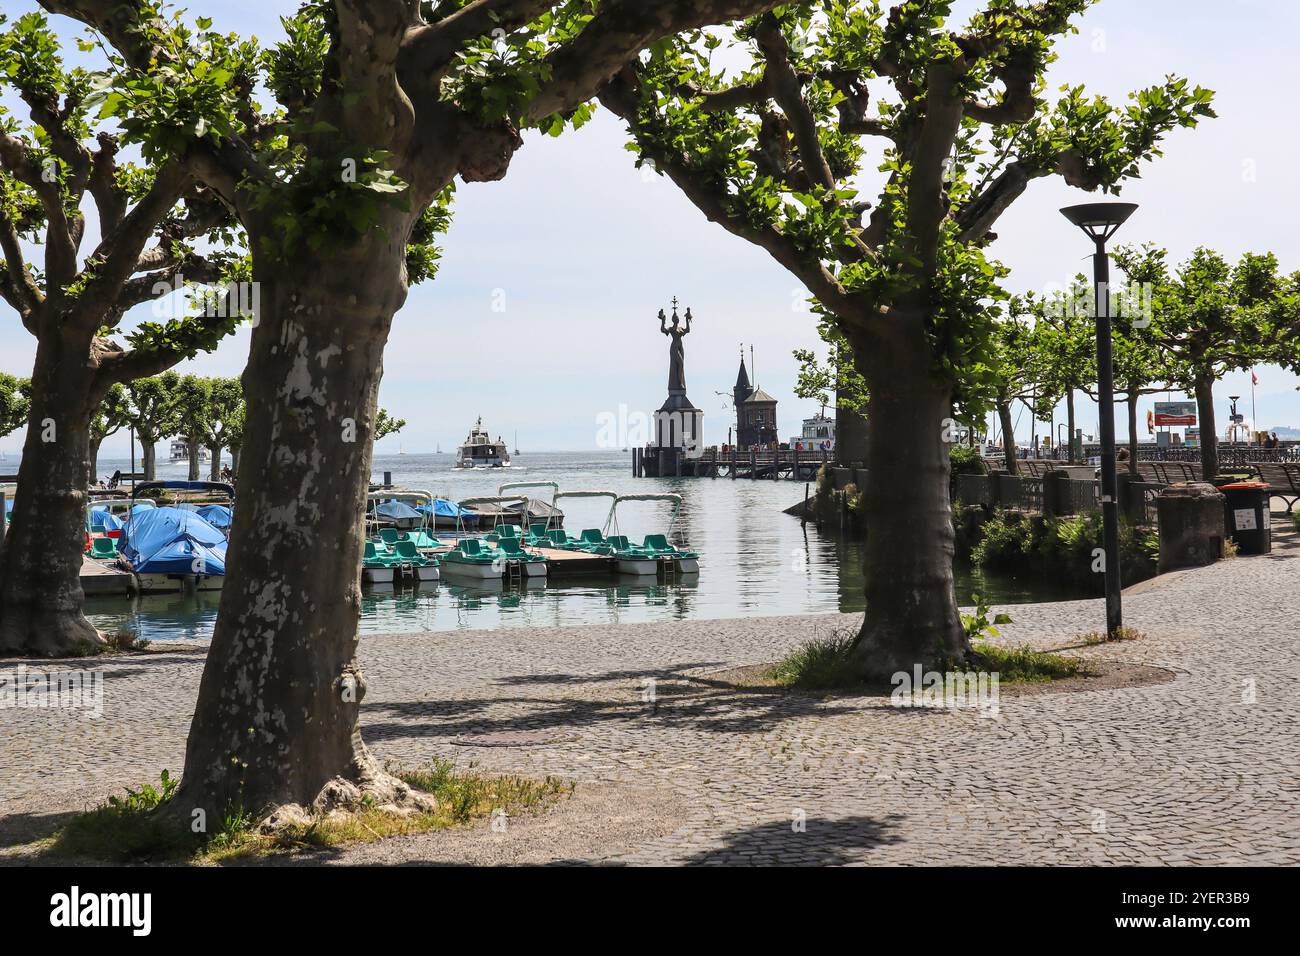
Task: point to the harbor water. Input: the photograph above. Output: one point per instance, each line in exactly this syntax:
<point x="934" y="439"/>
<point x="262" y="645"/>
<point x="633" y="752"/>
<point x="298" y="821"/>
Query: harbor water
<point x="754" y="560"/>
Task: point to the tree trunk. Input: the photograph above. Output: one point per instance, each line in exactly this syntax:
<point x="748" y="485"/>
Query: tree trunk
<point x="194" y="447"/>
<point x="94" y="459"/>
<point x="912" y="614"/>
<point x="40" y="559"/>
<point x="1133" y="432"/>
<point x="234" y="461"/>
<point x="850" y="435"/>
<point x="275" y="727"/>
<point x="1069" y="417"/>
<point x="214" y="469"/>
<point x="1008" y="436"/>
<point x="147" y="458"/>
<point x="1209" y="438"/>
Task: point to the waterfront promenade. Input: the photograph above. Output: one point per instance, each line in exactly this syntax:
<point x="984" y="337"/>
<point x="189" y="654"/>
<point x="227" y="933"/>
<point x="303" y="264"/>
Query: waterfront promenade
<point x="1198" y="769"/>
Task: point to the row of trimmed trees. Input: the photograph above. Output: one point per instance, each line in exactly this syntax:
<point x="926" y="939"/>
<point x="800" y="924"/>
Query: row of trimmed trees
<point x="1175" y="329"/>
<point x="341" y="185"/>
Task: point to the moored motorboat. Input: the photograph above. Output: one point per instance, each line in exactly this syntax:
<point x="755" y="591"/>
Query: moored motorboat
<point x="174" y="547"/>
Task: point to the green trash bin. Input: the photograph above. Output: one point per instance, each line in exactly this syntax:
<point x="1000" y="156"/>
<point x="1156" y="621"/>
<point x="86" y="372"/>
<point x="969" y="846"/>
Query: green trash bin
<point x="1246" y="516"/>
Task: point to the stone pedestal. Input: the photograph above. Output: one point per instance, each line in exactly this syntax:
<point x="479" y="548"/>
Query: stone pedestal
<point x="1191" y="525"/>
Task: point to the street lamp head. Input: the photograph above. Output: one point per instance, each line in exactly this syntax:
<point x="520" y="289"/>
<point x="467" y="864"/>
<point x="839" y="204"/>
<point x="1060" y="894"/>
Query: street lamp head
<point x="1099" y="220"/>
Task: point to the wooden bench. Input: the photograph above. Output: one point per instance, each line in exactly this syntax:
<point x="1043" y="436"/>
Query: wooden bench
<point x="1283" y="481"/>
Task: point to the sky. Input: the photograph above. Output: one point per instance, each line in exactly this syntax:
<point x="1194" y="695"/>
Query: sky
<point x="543" y="317"/>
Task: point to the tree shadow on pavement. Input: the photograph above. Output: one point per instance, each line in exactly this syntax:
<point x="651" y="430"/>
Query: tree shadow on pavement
<point x="821" y="843"/>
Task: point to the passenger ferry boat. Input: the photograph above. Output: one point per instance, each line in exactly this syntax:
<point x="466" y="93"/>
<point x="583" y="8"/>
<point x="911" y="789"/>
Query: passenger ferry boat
<point x="480" y="451"/>
<point x="180" y="451"/>
<point x="818" y="434"/>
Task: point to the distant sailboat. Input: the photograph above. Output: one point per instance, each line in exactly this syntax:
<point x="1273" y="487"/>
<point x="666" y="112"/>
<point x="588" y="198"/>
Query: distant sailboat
<point x="516" y="442"/>
<point x="438" y="449"/>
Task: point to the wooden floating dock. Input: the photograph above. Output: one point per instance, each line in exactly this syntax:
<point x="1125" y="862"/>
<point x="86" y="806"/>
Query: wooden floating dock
<point x="99" y="577"/>
<point x="651" y="462"/>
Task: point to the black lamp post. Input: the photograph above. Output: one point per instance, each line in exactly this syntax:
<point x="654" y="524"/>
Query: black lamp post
<point x="1100" y="220"/>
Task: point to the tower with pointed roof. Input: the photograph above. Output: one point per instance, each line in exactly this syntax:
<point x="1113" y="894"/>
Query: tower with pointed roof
<point x="755" y="411"/>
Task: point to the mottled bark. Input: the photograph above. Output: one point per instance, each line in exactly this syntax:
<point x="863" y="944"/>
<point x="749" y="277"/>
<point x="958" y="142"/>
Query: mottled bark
<point x="148" y="458"/>
<point x="193" y="447"/>
<point x="214" y="466"/>
<point x="40" y="559"/>
<point x="1204" y="390"/>
<point x="1008" y="436"/>
<point x="1069" y="418"/>
<point x="1133" y="432"/>
<point x="94" y="459"/>
<point x="850" y="435"/>
<point x="275" y="725"/>
<point x="912" y="614"/>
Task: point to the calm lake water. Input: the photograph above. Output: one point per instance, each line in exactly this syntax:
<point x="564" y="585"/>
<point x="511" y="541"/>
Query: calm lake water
<point x="753" y="558"/>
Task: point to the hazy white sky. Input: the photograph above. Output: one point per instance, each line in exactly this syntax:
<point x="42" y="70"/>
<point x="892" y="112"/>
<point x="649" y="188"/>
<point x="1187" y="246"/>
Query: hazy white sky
<point x="583" y="249"/>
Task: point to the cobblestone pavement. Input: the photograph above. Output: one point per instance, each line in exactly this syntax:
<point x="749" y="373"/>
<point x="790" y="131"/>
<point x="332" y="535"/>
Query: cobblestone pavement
<point x="1202" y="769"/>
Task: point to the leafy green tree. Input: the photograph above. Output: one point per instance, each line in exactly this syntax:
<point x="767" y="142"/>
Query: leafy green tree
<point x="774" y="154"/>
<point x="1015" y="367"/>
<point x="112" y="415"/>
<point x="15" y="403"/>
<point x="386" y="424"/>
<point x="225" y="414"/>
<point x="1138" y="364"/>
<point x="1065" y="334"/>
<point x="838" y="377"/>
<point x="192" y="417"/>
<point x="152" y="412"/>
<point x="1210" y="318"/>
<point x="381" y="105"/>
<point x="148" y="218"/>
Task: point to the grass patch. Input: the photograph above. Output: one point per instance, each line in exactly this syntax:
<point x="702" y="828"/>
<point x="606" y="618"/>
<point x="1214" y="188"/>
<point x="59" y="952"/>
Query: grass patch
<point x="1121" y="634"/>
<point x="816" y="665"/>
<point x="121" y="641"/>
<point x="125" y="829"/>
<point x="823" y="664"/>
<point x="1024" y="665"/>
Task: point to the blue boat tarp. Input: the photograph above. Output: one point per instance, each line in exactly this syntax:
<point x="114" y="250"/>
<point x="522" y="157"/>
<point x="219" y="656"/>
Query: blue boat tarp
<point x="219" y="516"/>
<point x="105" y="519"/>
<point x="171" y="541"/>
<point x="442" y="508"/>
<point x="396" y="511"/>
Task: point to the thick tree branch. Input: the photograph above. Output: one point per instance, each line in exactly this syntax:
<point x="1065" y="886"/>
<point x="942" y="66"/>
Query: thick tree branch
<point x="787" y="90"/>
<point x="620" y="97"/>
<point x="613" y="38"/>
<point x="430" y="48"/>
<point x="19" y="287"/>
<point x="17" y="159"/>
<point x="117" y="257"/>
<point x="110" y="200"/>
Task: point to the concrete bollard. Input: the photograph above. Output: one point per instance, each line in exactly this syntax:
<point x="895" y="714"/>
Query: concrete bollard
<point x="1191" y="525"/>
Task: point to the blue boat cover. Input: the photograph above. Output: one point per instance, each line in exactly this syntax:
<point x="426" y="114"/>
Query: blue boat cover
<point x="219" y="516"/>
<point x="396" y="510"/>
<point x="446" y="509"/>
<point x="105" y="518"/>
<point x="170" y="540"/>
